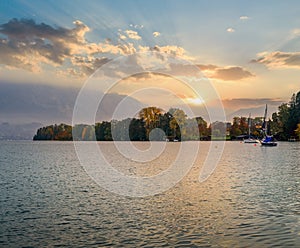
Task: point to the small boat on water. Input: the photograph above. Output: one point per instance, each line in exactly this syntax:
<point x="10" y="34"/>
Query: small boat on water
<point x="171" y="139"/>
<point x="268" y="140"/>
<point x="250" y="140"/>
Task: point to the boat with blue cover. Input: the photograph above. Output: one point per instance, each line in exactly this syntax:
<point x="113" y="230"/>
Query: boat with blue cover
<point x="268" y="140"/>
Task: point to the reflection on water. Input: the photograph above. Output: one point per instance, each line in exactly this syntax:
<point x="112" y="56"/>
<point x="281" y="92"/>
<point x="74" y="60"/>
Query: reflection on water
<point x="252" y="200"/>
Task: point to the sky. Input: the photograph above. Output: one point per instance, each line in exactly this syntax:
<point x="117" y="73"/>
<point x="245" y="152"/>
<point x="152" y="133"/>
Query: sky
<point x="248" y="51"/>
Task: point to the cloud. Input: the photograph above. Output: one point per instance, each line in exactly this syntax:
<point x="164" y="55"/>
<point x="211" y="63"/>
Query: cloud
<point x="207" y="67"/>
<point x="243" y="18"/>
<point x="230" y="30"/>
<point x="295" y="32"/>
<point x="231" y="73"/>
<point x="133" y="35"/>
<point x="136" y="26"/>
<point x="172" y="50"/>
<point x="140" y="61"/>
<point x="279" y="59"/>
<point x="156" y="34"/>
<point x="122" y="37"/>
<point x="87" y="65"/>
<point x="25" y="44"/>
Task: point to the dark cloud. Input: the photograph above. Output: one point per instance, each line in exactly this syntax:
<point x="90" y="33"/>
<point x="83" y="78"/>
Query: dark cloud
<point x="87" y="66"/>
<point x="25" y="43"/>
<point x="25" y="29"/>
<point x="29" y="45"/>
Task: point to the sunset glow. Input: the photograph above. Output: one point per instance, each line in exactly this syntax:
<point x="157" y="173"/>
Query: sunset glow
<point x="139" y="123"/>
<point x="195" y="101"/>
<point x="246" y="54"/>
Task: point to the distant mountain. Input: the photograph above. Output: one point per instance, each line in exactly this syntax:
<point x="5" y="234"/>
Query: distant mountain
<point x="27" y="103"/>
<point x="255" y="112"/>
<point x="18" y="131"/>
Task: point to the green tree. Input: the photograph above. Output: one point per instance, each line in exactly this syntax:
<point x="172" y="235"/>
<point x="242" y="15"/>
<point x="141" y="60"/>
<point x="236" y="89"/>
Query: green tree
<point x="137" y="130"/>
<point x="103" y="131"/>
<point x="294" y="114"/>
<point x="164" y="123"/>
<point x="244" y="125"/>
<point x="235" y="127"/>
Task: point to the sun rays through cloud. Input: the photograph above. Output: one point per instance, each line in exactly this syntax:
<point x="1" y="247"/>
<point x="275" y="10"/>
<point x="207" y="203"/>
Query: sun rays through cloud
<point x="239" y="49"/>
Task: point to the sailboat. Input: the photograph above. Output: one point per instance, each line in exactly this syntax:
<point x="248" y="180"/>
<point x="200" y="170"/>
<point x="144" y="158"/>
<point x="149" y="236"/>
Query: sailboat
<point x="250" y="140"/>
<point x="268" y="140"/>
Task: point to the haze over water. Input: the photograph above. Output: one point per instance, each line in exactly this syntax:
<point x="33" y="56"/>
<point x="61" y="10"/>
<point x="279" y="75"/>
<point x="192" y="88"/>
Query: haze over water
<point x="251" y="200"/>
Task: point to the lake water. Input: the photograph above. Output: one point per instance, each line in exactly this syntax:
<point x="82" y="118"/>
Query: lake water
<point x="251" y="200"/>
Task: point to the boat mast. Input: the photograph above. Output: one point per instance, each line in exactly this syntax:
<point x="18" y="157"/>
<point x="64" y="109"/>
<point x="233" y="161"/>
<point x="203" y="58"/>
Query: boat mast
<point x="249" y="125"/>
<point x="265" y="123"/>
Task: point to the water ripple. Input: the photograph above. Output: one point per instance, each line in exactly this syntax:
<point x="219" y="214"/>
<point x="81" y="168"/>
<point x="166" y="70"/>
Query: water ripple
<point x="47" y="199"/>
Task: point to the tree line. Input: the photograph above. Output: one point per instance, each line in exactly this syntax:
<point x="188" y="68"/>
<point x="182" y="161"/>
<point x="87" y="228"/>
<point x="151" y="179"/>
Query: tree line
<point x="285" y="123"/>
<point x="175" y="125"/>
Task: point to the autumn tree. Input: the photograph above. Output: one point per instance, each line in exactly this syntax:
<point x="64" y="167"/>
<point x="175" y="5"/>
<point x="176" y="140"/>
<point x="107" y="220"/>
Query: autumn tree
<point x="177" y="122"/>
<point x="235" y="127"/>
<point x="150" y="116"/>
<point x="297" y="131"/>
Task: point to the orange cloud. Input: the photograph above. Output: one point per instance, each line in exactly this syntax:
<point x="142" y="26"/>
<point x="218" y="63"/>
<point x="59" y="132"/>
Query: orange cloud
<point x="232" y="73"/>
<point x="279" y="59"/>
<point x="28" y="45"/>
